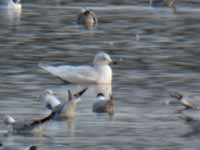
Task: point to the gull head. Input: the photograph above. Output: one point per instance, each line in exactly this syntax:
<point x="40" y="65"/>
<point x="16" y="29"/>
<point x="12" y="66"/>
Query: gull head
<point x="100" y="96"/>
<point x="176" y="95"/>
<point x="87" y="12"/>
<point x="51" y="100"/>
<point x="83" y="10"/>
<point x="102" y="58"/>
<point x="50" y="92"/>
<point x="9" y="120"/>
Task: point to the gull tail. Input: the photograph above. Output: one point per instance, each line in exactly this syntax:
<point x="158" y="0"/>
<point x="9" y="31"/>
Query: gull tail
<point x="51" y="69"/>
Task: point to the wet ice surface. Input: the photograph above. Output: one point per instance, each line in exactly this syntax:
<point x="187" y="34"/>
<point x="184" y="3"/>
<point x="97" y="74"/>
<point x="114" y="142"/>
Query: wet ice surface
<point x="157" y="53"/>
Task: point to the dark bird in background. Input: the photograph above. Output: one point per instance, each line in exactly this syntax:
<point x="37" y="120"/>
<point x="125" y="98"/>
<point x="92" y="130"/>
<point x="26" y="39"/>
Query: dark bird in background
<point x="87" y="18"/>
<point x="104" y="105"/>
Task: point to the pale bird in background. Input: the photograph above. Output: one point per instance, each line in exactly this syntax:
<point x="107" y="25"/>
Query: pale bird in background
<point x="87" y="18"/>
<point x="100" y="72"/>
<point x="66" y="110"/>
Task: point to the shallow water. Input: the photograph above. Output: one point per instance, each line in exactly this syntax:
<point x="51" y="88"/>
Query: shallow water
<point x="157" y="53"/>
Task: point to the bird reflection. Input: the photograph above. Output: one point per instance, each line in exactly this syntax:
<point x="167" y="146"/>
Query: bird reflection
<point x="194" y="125"/>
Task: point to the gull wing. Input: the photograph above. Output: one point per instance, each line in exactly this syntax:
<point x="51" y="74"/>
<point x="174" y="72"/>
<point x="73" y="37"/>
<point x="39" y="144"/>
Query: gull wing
<point x="73" y="74"/>
<point x="193" y="101"/>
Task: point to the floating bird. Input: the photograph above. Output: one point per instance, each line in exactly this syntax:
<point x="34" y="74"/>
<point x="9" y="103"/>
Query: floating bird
<point x="168" y="3"/>
<point x="104" y="105"/>
<point x="87" y="18"/>
<point x="100" y="72"/>
<point x="2" y="147"/>
<point x="66" y="110"/>
<point x="27" y="126"/>
<point x="189" y="102"/>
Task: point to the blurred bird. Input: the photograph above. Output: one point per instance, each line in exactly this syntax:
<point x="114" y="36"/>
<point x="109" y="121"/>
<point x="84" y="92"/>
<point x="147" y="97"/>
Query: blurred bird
<point x="2" y="147"/>
<point x="168" y="3"/>
<point x="189" y="102"/>
<point x="11" y="4"/>
<point x="87" y="18"/>
<point x="100" y="72"/>
<point x="64" y="110"/>
<point x="104" y="105"/>
<point x="26" y="126"/>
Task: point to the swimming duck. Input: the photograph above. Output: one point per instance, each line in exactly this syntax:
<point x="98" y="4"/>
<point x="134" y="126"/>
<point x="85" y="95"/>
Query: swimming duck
<point x="27" y="126"/>
<point x="100" y="72"/>
<point x="189" y="102"/>
<point x="66" y="110"/>
<point x="104" y="105"/>
<point x="87" y="18"/>
<point x="2" y="147"/>
<point x="168" y="3"/>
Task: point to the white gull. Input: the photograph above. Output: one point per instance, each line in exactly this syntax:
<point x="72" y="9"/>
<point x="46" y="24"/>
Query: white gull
<point x="100" y="72"/>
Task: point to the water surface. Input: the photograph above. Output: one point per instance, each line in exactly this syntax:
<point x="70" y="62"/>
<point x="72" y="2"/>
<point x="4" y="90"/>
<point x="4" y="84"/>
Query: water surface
<point x="157" y="53"/>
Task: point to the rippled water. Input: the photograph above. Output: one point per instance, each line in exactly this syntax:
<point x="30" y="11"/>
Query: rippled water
<point x="157" y="52"/>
